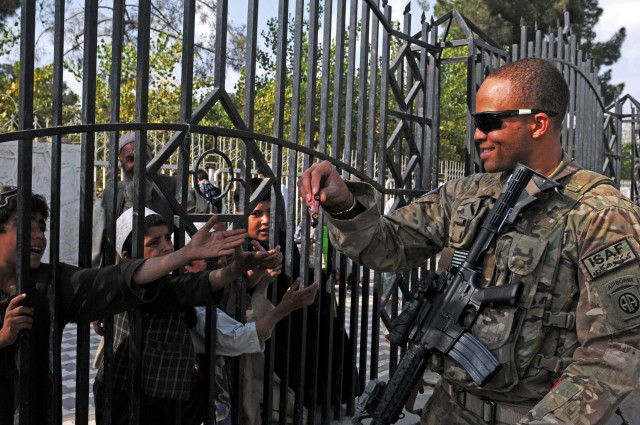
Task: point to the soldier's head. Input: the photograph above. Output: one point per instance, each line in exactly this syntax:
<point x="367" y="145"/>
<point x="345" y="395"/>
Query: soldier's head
<point x="127" y="153"/>
<point x="157" y="235"/>
<point x="259" y="220"/>
<point x="518" y="117"/>
<point x="8" y="227"/>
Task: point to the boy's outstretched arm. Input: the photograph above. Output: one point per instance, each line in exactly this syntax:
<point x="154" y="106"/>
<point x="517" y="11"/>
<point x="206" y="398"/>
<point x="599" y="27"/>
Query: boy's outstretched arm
<point x="292" y="300"/>
<point x="242" y="262"/>
<point x="203" y="244"/>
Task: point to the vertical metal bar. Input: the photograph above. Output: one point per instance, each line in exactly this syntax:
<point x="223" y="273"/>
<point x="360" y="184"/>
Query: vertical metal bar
<point x="432" y="106"/>
<point x="338" y="82"/>
<point x="373" y="91"/>
<point x="276" y="166"/>
<point x="54" y="364"/>
<point x="293" y="166"/>
<point x="219" y="74"/>
<point x="421" y="101"/>
<point x="376" y="307"/>
<point x="336" y="137"/>
<point x="110" y="194"/>
<point x="89" y="67"/>
<point x="361" y="125"/>
<point x="139" y="182"/>
<point x="351" y="57"/>
<point x="25" y="108"/>
<point x="570" y="57"/>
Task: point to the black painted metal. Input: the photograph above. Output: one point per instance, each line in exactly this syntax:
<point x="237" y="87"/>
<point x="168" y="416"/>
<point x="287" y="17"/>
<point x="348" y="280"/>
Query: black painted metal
<point x="379" y="115"/>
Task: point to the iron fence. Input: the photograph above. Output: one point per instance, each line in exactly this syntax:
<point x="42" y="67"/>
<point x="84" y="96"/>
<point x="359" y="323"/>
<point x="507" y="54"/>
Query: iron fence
<point x="376" y="90"/>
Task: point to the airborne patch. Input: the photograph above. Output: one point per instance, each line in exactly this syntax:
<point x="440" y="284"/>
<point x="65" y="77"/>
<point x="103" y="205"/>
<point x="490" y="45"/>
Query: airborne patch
<point x="609" y="258"/>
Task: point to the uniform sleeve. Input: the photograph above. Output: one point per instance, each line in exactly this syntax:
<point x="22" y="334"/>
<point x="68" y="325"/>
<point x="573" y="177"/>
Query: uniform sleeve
<point x="606" y="365"/>
<point x="398" y="241"/>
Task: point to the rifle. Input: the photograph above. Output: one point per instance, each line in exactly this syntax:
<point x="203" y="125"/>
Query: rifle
<point x="444" y="308"/>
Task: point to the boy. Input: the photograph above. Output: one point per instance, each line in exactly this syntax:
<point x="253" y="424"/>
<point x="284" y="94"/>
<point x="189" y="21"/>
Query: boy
<point x="167" y="352"/>
<point x="86" y="294"/>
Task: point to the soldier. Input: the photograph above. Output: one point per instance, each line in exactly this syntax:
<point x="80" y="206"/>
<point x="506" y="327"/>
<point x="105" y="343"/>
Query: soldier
<point x="569" y="350"/>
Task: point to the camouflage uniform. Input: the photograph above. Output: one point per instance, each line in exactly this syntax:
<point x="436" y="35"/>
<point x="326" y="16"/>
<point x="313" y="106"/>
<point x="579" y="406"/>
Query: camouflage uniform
<point x="578" y="321"/>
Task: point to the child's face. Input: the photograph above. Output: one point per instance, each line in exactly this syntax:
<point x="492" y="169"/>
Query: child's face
<point x="157" y="241"/>
<point x="8" y="243"/>
<point x="258" y="222"/>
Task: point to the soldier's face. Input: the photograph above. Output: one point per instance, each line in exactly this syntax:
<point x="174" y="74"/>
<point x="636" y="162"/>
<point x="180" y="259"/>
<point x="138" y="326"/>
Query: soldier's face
<point x="501" y="149"/>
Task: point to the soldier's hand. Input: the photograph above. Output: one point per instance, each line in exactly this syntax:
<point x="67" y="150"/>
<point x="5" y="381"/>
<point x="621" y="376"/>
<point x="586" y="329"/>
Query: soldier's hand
<point x="322" y="179"/>
<point x="16" y="319"/>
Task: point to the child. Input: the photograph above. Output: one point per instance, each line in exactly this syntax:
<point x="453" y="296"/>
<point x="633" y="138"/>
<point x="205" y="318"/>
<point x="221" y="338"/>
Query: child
<point x="86" y="294"/>
<point x="234" y="338"/>
<point x="167" y="352"/>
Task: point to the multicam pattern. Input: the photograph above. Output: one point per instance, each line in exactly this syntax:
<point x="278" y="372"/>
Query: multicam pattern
<point x="570" y="324"/>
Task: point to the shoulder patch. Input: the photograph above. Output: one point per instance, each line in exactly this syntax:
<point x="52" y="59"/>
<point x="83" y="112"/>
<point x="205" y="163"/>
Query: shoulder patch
<point x="609" y="258"/>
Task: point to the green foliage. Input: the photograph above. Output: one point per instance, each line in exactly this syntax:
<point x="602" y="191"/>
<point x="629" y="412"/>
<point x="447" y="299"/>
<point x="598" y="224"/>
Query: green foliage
<point x="43" y="95"/>
<point x="9" y="35"/>
<point x="627" y="160"/>
<point x="164" y="82"/>
<point x="453" y="108"/>
<point x="501" y="21"/>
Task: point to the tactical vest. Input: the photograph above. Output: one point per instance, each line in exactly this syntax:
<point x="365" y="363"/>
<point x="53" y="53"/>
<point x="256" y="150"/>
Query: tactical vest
<point x="535" y="340"/>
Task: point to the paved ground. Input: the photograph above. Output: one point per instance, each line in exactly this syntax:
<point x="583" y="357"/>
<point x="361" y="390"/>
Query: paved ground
<point x="69" y="368"/>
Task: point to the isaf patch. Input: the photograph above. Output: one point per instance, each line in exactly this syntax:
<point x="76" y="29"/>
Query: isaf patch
<point x="610" y="258"/>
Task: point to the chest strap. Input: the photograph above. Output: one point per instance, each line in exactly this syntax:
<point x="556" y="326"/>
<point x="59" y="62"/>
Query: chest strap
<point x="489" y="411"/>
<point x="563" y="320"/>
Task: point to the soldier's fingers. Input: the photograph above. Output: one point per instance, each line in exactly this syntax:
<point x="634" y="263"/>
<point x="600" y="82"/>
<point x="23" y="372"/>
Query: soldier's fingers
<point x="319" y="175"/>
<point x="304" y="184"/>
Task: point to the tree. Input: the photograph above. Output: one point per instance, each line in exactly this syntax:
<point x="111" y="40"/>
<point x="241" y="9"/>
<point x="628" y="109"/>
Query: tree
<point x="8" y="8"/>
<point x="8" y="31"/>
<point x="43" y="95"/>
<point x="503" y="18"/>
<point x="166" y="19"/>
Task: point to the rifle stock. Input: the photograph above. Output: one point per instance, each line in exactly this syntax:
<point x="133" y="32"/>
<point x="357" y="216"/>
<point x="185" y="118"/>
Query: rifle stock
<point x="433" y="320"/>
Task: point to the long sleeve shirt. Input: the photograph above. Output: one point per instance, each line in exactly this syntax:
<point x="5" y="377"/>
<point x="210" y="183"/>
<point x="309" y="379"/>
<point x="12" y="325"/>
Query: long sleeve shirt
<point x="576" y="251"/>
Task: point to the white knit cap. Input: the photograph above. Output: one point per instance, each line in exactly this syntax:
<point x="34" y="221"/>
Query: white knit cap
<point x="127" y="138"/>
<point x="124" y="226"/>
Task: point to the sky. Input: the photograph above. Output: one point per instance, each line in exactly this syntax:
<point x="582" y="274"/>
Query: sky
<point x="616" y="14"/>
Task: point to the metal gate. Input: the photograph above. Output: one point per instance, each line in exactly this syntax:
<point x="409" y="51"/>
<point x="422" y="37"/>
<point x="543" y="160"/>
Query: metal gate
<point x="377" y="92"/>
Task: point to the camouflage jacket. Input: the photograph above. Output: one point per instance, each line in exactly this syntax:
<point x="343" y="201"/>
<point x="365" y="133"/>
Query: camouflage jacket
<point x="570" y="349"/>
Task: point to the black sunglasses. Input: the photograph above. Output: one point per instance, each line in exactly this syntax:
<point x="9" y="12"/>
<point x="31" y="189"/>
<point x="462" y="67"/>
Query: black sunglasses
<point x="7" y="195"/>
<point x="492" y="120"/>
